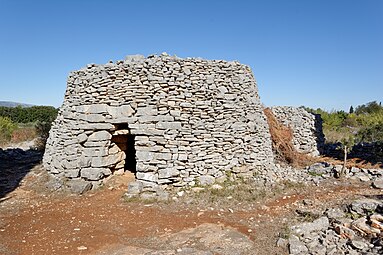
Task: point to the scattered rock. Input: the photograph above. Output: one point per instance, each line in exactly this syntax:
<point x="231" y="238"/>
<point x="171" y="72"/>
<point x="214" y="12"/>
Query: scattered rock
<point x="361" y="206"/>
<point x="378" y="183"/>
<point x="296" y="246"/>
<point x="79" y="186"/>
<point x="359" y="245"/>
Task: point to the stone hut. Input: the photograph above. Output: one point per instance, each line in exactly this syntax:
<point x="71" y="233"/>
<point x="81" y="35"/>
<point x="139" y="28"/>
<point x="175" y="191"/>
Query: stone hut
<point x="170" y="121"/>
<point x="307" y="130"/>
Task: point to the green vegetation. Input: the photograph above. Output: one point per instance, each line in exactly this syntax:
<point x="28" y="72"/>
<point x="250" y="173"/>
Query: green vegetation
<point x="364" y="124"/>
<point x="19" y="124"/>
<point x="6" y="129"/>
<point x="29" y="114"/>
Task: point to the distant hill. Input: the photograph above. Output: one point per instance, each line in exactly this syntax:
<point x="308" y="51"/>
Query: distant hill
<point x="13" y="104"/>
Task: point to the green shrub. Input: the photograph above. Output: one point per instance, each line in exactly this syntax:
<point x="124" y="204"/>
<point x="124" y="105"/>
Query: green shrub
<point x="371" y="134"/>
<point x="42" y="130"/>
<point x="29" y="114"/>
<point x="364" y="123"/>
<point x="6" y="129"/>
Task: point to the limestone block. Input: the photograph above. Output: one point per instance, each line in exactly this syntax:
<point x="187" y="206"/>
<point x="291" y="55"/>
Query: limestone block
<point x="99" y="136"/>
<point x="81" y="138"/>
<point x="114" y="149"/>
<point x="79" y="186"/>
<point x="162" y="156"/>
<point x="84" y="161"/>
<point x="145" y="155"/>
<point x="122" y="111"/>
<point x="175" y="113"/>
<point x="92" y="117"/>
<point x="95" y="152"/>
<point x="72" y="173"/>
<point x="206" y="180"/>
<point x="99" y="144"/>
<point x="129" y="120"/>
<point x="142" y="167"/>
<point x="108" y="160"/>
<point x="182" y="157"/>
<point x="96" y="108"/>
<point x="147" y="111"/>
<point x="94" y="174"/>
<point x="151" y="177"/>
<point x="96" y="126"/>
<point x="168" y="172"/>
<point x="135" y="187"/>
<point x="169" y="125"/>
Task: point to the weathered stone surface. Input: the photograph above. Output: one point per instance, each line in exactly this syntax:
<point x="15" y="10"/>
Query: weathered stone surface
<point x="342" y="235"/>
<point x="206" y="180"/>
<point x="108" y="160"/>
<point x="147" y="177"/>
<point x="122" y="111"/>
<point x="363" y="205"/>
<point x="82" y="138"/>
<point x="308" y="227"/>
<point x="183" y="119"/>
<point x="96" y="108"/>
<point x="167" y="173"/>
<point x="308" y="136"/>
<point x="296" y="246"/>
<point x="378" y="183"/>
<point x="134" y="188"/>
<point x="94" y="174"/>
<point x="79" y="186"/>
<point x="99" y="136"/>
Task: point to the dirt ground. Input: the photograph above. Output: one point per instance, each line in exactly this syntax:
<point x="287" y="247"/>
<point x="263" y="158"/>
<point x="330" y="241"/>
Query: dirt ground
<point x="34" y="220"/>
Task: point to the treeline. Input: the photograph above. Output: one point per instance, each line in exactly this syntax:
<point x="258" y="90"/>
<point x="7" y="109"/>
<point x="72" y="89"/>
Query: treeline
<point x="364" y="124"/>
<point x="29" y="114"/>
<point x="18" y="124"/>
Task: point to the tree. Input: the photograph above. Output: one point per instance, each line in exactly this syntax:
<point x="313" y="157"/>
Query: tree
<point x="347" y="143"/>
<point x="6" y="129"/>
<point x="371" y="107"/>
<point x="351" y="110"/>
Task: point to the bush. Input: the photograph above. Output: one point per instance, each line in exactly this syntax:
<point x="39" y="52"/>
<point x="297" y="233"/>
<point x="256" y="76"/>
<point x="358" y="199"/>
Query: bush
<point x="371" y="134"/>
<point x="6" y="129"/>
<point x="29" y="114"/>
<point x="42" y="130"/>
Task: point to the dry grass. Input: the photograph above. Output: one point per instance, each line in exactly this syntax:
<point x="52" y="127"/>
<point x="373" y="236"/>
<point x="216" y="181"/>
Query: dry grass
<point x="283" y="147"/>
<point x="23" y="134"/>
<point x="351" y="162"/>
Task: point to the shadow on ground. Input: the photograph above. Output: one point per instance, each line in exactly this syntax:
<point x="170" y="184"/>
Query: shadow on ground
<point x="371" y="153"/>
<point x="15" y="164"/>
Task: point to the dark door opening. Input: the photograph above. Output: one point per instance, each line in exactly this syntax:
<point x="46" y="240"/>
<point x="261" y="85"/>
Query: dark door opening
<point x="125" y="143"/>
<point x="130" y="160"/>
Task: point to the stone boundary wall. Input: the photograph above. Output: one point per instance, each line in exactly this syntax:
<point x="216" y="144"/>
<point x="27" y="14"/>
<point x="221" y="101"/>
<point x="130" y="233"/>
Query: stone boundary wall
<point x="307" y="130"/>
<point x="186" y="121"/>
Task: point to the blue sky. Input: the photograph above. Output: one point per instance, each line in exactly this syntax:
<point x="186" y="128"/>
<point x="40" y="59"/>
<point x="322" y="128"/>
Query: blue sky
<point x="316" y="53"/>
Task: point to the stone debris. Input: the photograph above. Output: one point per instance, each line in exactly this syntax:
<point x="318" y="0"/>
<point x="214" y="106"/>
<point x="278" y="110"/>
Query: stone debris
<point x="378" y="183"/>
<point x="356" y="230"/>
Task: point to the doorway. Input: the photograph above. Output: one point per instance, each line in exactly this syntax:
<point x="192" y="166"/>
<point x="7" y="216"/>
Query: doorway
<point x="125" y="142"/>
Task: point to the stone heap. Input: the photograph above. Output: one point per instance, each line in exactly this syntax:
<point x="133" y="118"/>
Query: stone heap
<point x="169" y="120"/>
<point x="354" y="228"/>
<point x="308" y="136"/>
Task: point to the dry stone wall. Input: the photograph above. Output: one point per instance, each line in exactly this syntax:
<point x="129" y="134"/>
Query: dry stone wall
<point x="170" y="120"/>
<point x="308" y="136"/>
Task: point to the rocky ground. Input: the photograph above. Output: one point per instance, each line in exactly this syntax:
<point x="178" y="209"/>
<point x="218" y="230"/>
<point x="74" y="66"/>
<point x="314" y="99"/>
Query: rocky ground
<point x="304" y="212"/>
